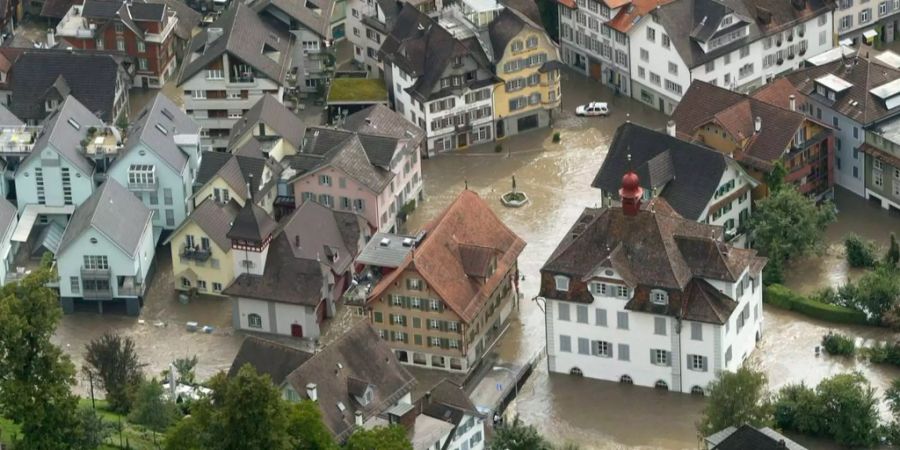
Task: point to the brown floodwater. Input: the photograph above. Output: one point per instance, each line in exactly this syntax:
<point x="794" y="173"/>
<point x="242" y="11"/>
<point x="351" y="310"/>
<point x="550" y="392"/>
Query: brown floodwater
<point x="556" y="178"/>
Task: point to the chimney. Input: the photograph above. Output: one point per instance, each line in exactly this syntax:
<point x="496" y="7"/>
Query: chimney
<point x="670" y="128"/>
<point x="793" y="102"/>
<point x="312" y="392"/>
<point x="359" y="419"/>
<point x="51" y="38"/>
<point x="757" y="124"/>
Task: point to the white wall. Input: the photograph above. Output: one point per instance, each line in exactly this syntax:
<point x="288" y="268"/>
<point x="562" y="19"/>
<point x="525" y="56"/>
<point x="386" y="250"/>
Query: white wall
<point x="276" y="317"/>
<point x="849" y="165"/>
<point x="847" y="16"/>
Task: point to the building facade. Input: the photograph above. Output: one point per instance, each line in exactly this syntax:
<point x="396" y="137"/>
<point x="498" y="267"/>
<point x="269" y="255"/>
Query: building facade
<point x="201" y="251"/>
<point x="229" y="67"/>
<point x="882" y="163"/>
<point x="619" y="307"/>
<point x="143" y="31"/>
<point x="864" y="21"/>
<point x="428" y="309"/>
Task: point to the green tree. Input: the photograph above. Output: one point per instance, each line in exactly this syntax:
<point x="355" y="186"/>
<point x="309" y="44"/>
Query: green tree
<point x="379" y="438"/>
<point x="849" y="410"/>
<point x="151" y="409"/>
<point x="735" y="399"/>
<point x="113" y="361"/>
<point x="775" y="178"/>
<point x="519" y="436"/>
<point x="246" y="411"/>
<point x="90" y="431"/>
<point x="35" y="375"/>
<point x="892" y="397"/>
<point x="309" y="432"/>
<point x="550" y="16"/>
<point x="860" y="253"/>
<point x="876" y="292"/>
<point x="892" y="258"/>
<point x="787" y="224"/>
<point x="797" y="408"/>
<point x="185" y="368"/>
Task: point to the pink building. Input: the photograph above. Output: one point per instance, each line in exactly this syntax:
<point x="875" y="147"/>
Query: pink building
<point x="371" y="174"/>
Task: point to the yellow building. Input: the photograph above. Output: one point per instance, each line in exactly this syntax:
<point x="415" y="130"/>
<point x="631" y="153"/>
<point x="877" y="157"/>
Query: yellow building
<point x="528" y="64"/>
<point x="201" y="252"/>
<point x="270" y="128"/>
<point x="224" y="177"/>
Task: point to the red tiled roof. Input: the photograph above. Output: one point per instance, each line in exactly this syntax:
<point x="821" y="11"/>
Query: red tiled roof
<point x="778" y="93"/>
<point x="880" y="154"/>
<point x="568" y="4"/>
<point x="628" y="17"/>
<point x="445" y="259"/>
<point x="613" y="4"/>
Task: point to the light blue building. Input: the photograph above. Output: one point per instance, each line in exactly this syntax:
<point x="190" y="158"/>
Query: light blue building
<point x="106" y="253"/>
<point x="159" y="162"/>
<point x="8" y="221"/>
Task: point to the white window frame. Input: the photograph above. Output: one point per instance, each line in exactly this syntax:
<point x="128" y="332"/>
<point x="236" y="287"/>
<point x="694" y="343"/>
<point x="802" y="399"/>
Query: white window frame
<point x="562" y="283"/>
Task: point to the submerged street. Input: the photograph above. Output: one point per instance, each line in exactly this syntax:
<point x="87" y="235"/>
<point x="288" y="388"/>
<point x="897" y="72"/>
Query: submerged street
<point x="556" y="178"/>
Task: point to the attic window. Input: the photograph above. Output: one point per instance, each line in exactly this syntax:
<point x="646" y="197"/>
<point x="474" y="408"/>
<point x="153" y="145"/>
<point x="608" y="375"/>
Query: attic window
<point x="313" y="7"/>
<point x="562" y="283"/>
<point x="659" y="297"/>
<point x="168" y="114"/>
<point x="74" y="124"/>
<point x="162" y="129"/>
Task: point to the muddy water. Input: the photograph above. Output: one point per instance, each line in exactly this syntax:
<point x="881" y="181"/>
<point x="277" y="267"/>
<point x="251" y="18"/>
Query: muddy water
<point x="557" y="179"/>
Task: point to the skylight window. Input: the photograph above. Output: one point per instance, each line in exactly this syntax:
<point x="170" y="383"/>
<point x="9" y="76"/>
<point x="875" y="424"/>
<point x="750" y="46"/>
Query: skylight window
<point x="168" y="114"/>
<point x="162" y="129"/>
<point x="74" y="124"/>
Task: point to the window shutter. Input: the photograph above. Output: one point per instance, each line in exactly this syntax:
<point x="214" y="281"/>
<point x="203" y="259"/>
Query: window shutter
<point x="703" y="360"/>
<point x="404" y="301"/>
<point x="601" y="317"/>
<point x="669" y="359"/>
<point x="652" y="356"/>
<point x="445" y="343"/>
<point x="391" y="319"/>
<point x="417" y="323"/>
<point x="444" y="325"/>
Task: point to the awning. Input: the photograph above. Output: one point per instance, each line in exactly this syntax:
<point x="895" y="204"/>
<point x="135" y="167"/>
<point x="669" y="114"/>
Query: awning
<point x="30" y="215"/>
<point x="869" y="34"/>
<point x="846" y="42"/>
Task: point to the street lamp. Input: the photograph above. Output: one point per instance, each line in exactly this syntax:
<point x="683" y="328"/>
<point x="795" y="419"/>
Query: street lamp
<point x="511" y="372"/>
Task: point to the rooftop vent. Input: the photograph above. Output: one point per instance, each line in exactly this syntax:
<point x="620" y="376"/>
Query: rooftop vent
<point x="408" y="242"/>
<point x="384" y="242"/>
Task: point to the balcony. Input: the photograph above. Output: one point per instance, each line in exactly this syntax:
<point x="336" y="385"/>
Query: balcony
<point x="128" y="287"/>
<point x="95" y="274"/>
<point x="97" y="294"/>
<point x="102" y="143"/>
<point x="194" y="253"/>
<point x="152" y="186"/>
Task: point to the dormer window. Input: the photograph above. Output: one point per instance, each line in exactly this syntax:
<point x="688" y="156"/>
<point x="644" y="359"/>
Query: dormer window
<point x="727" y="20"/>
<point x="414" y="284"/>
<point x="562" y="283"/>
<point x="659" y="297"/>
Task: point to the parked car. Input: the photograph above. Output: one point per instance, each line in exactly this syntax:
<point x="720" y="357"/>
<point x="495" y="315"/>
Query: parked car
<point x="593" y="109"/>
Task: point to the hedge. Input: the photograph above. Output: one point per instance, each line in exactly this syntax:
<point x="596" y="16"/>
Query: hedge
<point x="783" y="297"/>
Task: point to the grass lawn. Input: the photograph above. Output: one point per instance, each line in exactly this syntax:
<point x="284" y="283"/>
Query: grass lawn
<point x="357" y="90"/>
<point x="136" y="436"/>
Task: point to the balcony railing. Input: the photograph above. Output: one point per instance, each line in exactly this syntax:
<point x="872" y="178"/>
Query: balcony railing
<point x="97" y="294"/>
<point x="143" y="186"/>
<point x="95" y="274"/>
<point x="194" y="253"/>
<point x="130" y="291"/>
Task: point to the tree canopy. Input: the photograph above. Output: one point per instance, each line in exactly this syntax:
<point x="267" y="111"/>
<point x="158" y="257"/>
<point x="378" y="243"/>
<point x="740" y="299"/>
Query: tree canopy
<point x="735" y="399"/>
<point x="518" y="436"/>
<point x="112" y="360"/>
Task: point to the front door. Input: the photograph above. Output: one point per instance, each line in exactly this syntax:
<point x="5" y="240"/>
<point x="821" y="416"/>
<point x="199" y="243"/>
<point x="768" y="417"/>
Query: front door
<point x="501" y="129"/>
<point x="662" y="105"/>
<point x="462" y="140"/>
<point x="145" y="82"/>
<point x="596" y="71"/>
<point x="296" y="330"/>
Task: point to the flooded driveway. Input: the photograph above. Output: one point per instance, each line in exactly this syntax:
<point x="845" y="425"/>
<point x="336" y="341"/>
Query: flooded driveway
<point x="557" y="179"/>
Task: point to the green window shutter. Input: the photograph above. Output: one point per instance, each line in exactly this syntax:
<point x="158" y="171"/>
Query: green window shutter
<point x="406" y="302"/>
<point x="417" y="339"/>
<point x="417" y="323"/>
<point x="378" y="317"/>
<point x="445" y="343"/>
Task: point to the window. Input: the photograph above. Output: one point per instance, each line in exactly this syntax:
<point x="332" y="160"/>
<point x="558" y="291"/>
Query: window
<point x="865" y="15"/>
<point x="581" y="314"/>
<point x="696" y="331"/>
<point x="254" y="321"/>
<point x="531" y="42"/>
<point x="142" y="175"/>
<point x="436" y="305"/>
<point x="745" y="51"/>
<point x="326" y="200"/>
<point x="217" y="287"/>
<point x="143" y="64"/>
<point x="846" y="22"/>
<point x="120" y="44"/>
<point x="96" y="262"/>
<point x="141" y="47"/>
<point x="710" y="66"/>
<point x="882" y="9"/>
<point x="651" y="34"/>
<point x="600" y="317"/>
<point x="517" y="46"/>
<point x="674" y="87"/>
<point x="665" y="41"/>
<point x="74" y="285"/>
<point x="655" y="79"/>
<point x="603" y="349"/>
<point x="564" y="311"/>
<point x="659" y="357"/>
<point x="622" y="320"/>
<point x="877" y="178"/>
<point x="642" y="73"/>
<point x="697" y="362"/>
<point x="624" y="352"/>
<point x="645" y="55"/>
<point x="584" y="346"/>
<point x="673" y="68"/>
<point x="659" y="326"/>
<point x="99" y="43"/>
<point x="565" y="343"/>
<point x="659" y="297"/>
<point x="325" y="180"/>
<point x="562" y="283"/>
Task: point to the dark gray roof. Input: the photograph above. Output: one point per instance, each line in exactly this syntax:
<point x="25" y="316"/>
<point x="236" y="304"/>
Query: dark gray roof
<point x="749" y="438"/>
<point x="147" y="12"/>
<point x="316" y="233"/>
<point x="56" y="9"/>
<point x="188" y="18"/>
<point x="156" y="127"/>
<point x="214" y="219"/>
<point x="237" y="170"/>
<point x="8" y="119"/>
<point x="666" y="164"/>
<point x="361" y="354"/>
<point x="285" y="279"/>
<point x="252" y="223"/>
<point x="63" y="132"/>
<point x="503" y="29"/>
<point x="244" y="35"/>
<point x="103" y="211"/>
<point x="684" y="22"/>
<point x="423" y="49"/>
<point x="271" y="358"/>
<point x="90" y="77"/>
<point x="342" y="150"/>
<point x="391" y="255"/>
<point x="381" y="120"/>
<point x="270" y="111"/>
<point x="380" y="149"/>
<point x="313" y="14"/>
<point x="101" y="9"/>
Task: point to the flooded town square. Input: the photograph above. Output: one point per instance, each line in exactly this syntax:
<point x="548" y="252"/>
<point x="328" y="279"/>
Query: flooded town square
<point x="556" y="177"/>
